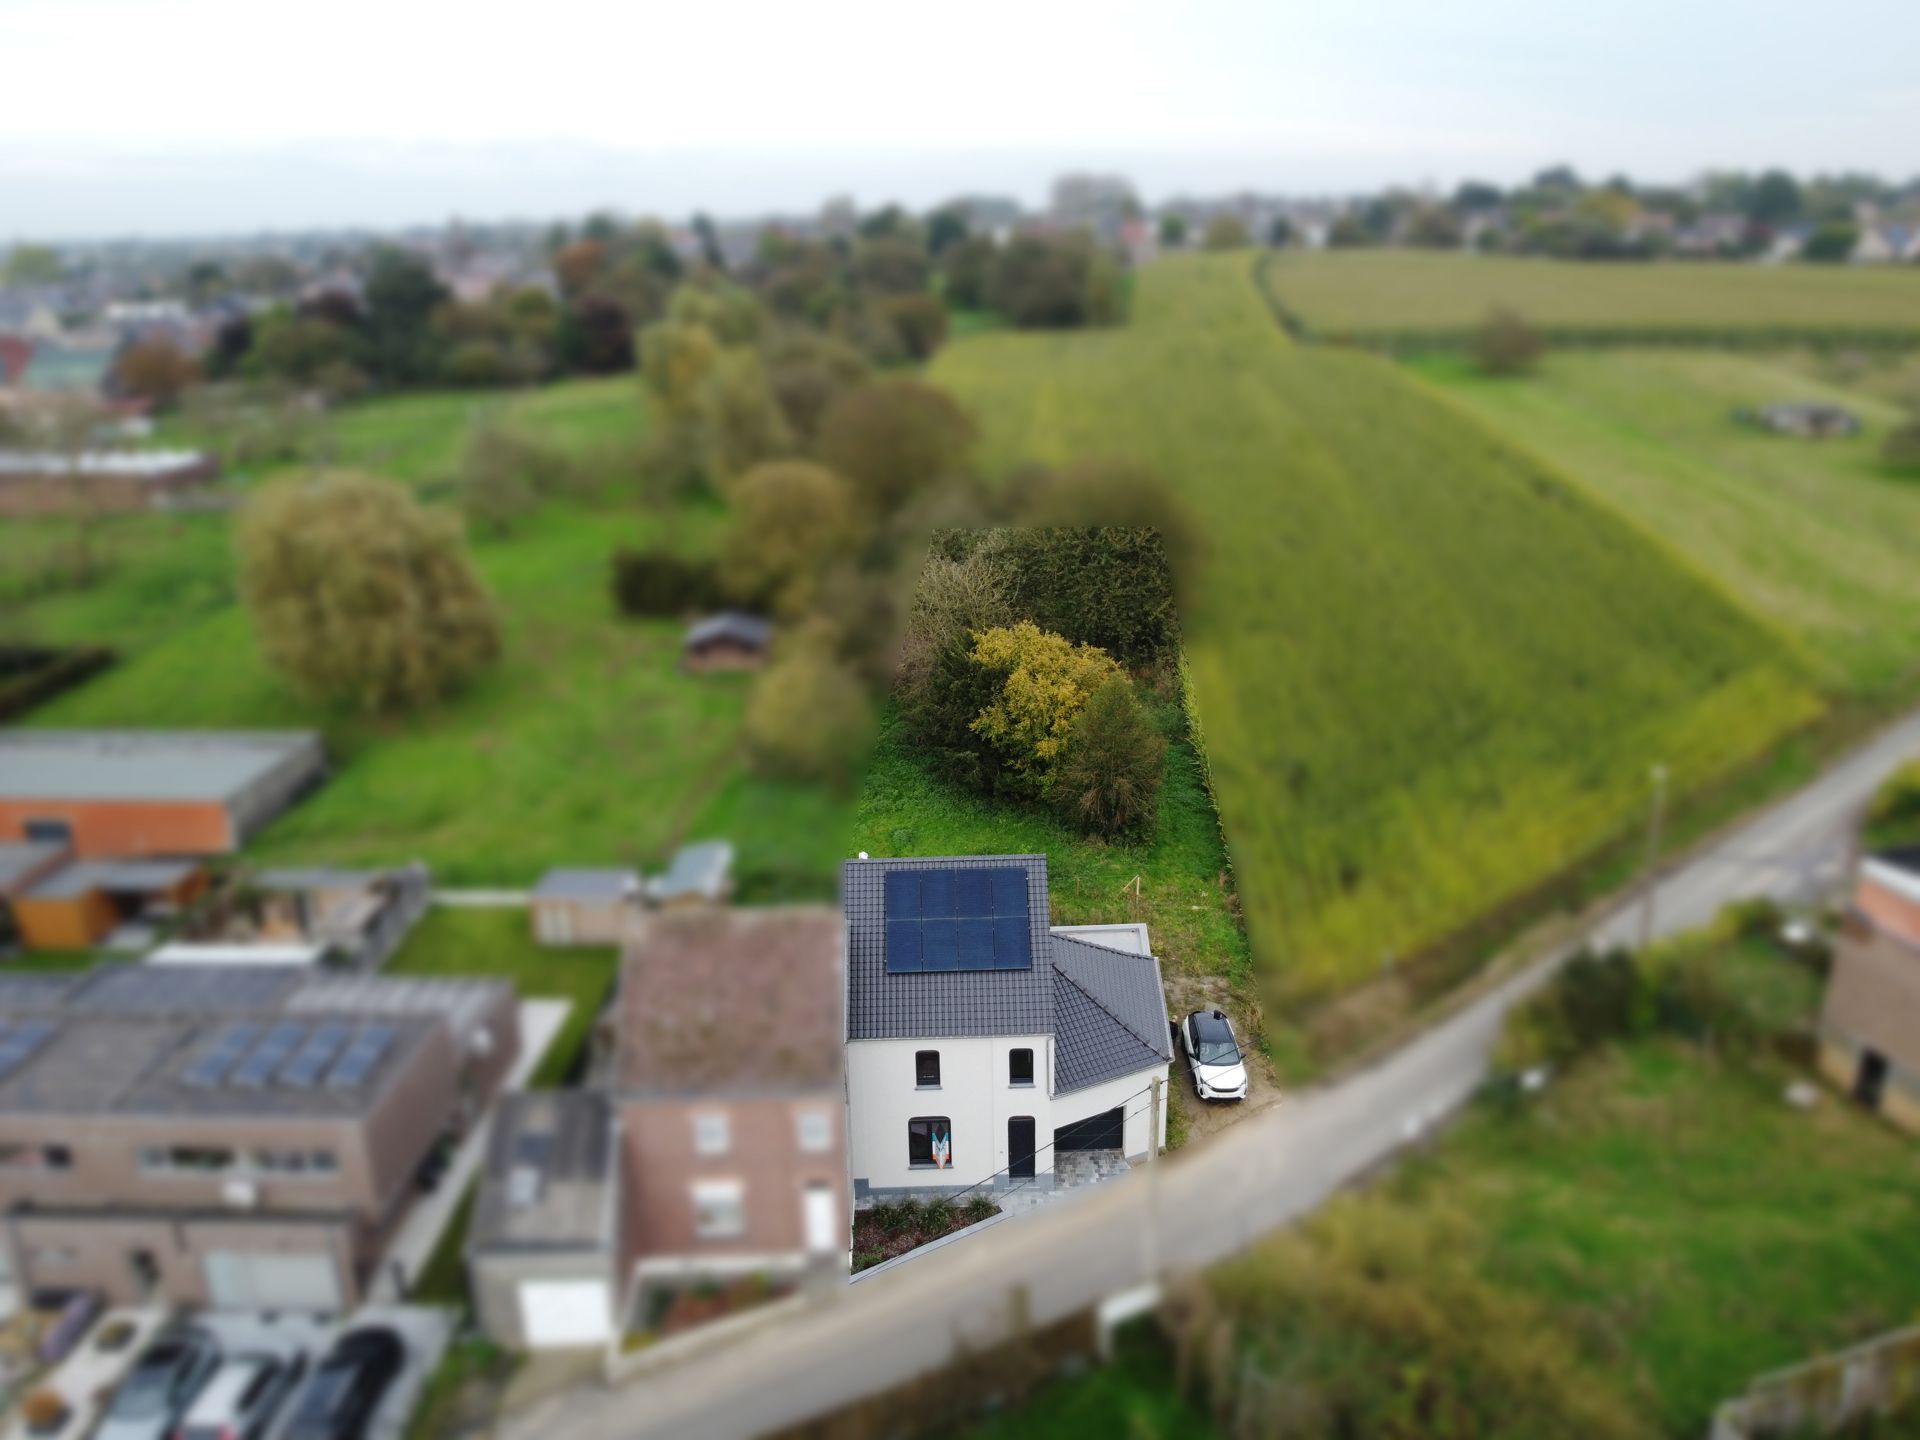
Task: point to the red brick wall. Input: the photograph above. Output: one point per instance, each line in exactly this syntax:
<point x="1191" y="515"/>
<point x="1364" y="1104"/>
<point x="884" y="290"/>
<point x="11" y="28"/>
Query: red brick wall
<point x="114" y="829"/>
<point x="1890" y="911"/>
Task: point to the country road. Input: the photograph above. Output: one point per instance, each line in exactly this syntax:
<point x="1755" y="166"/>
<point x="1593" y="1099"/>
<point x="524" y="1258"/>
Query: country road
<point x="1200" y="1205"/>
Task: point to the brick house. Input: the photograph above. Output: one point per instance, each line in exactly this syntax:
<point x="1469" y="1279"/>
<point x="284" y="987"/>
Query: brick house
<point x="1870" y="1022"/>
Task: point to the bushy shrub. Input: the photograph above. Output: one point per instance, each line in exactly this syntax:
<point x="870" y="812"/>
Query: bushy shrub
<point x="661" y="582"/>
<point x="892" y="439"/>
<point x="791" y="518"/>
<point x="1902" y="448"/>
<point x="1107" y="781"/>
<point x="1042" y="681"/>
<point x="808" y="372"/>
<point x="1507" y="345"/>
<point x="808" y="719"/>
<point x="920" y="320"/>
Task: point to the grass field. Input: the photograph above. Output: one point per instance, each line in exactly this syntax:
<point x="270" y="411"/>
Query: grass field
<point x="584" y="745"/>
<point x="1816" y="536"/>
<point x="1428" y="674"/>
<point x="1379" y="294"/>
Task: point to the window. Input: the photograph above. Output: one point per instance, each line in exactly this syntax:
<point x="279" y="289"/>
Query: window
<point x="57" y="832"/>
<point x="815" y="1131"/>
<point x="719" y="1209"/>
<point x="186" y="1160"/>
<point x="294" y="1162"/>
<point x="1020" y="1067"/>
<point x="54" y="1255"/>
<point x="711" y="1133"/>
<point x="35" y="1157"/>
<point x="930" y="1143"/>
<point x="926" y="1069"/>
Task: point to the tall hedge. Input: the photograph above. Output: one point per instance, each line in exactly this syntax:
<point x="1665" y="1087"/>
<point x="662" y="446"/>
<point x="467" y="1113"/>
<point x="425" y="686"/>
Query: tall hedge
<point x="1109" y="586"/>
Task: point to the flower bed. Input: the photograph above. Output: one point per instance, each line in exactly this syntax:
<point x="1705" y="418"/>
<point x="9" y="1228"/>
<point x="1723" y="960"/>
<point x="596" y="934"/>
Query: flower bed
<point x="890" y="1230"/>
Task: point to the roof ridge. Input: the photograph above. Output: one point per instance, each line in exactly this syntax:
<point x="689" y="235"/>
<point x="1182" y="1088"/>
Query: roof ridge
<point x="1096" y="945"/>
<point x="1102" y="1007"/>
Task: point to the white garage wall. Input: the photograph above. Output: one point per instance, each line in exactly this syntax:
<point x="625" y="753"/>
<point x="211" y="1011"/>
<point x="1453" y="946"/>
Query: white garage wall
<point x="1096" y="1099"/>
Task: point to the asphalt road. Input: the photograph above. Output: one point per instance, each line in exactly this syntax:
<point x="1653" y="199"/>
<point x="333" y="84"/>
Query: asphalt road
<point x="1202" y="1204"/>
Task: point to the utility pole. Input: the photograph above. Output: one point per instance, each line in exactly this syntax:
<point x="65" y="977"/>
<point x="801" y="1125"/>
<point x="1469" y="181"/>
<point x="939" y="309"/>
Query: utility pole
<point x="1656" y="818"/>
<point x="1150" y="1209"/>
<point x="1153" y="1121"/>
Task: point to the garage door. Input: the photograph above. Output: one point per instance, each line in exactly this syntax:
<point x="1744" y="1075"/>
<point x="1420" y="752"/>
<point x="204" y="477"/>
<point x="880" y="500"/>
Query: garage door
<point x="1097" y="1132"/>
<point x="245" y="1280"/>
<point x="559" y="1313"/>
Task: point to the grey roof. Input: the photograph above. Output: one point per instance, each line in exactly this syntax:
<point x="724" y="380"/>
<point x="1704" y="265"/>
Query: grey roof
<point x="315" y="877"/>
<point x="585" y="884"/>
<point x="545" y="1186"/>
<point x="703" y="869"/>
<point x="730" y="625"/>
<point x="124" y="877"/>
<point x="957" y="1002"/>
<point x="20" y="860"/>
<point x="181" y="990"/>
<point x="144" y="764"/>
<point x="1110" y="1014"/>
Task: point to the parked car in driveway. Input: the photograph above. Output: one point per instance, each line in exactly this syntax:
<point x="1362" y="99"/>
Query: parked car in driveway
<point x="246" y="1392"/>
<point x="163" y="1382"/>
<point x="348" y="1386"/>
<point x="1219" y="1069"/>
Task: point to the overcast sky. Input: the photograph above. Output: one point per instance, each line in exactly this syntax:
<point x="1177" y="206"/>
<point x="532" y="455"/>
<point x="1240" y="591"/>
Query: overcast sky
<point x="207" y="116"/>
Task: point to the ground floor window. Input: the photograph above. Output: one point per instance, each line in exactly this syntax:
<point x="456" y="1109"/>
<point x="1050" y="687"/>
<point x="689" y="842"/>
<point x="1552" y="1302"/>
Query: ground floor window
<point x="930" y="1142"/>
<point x="719" y="1209"/>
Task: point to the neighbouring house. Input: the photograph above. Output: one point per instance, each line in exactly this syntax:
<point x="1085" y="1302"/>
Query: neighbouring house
<point x="1886" y="243"/>
<point x="1870" y="1021"/>
<point x="35" y="482"/>
<point x="1809" y="420"/>
<point x="242" y="1137"/>
<point x="540" y="1248"/>
<point x="23" y="864"/>
<point x="573" y="906"/>
<point x="85" y="902"/>
<point x="698" y="874"/>
<point x="728" y="641"/>
<point x="728" y="1092"/>
<point x="987" y="1049"/>
<point x="351" y="918"/>
<point x="118" y="794"/>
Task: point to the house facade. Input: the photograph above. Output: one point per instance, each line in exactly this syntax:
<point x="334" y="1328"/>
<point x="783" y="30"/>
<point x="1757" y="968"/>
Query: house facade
<point x="1870" y="1020"/>
<point x="984" y="1043"/>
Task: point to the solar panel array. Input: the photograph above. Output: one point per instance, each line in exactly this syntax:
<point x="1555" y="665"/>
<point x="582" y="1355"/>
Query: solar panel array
<point x="250" y="1056"/>
<point x="18" y="1042"/>
<point x="973" y="919"/>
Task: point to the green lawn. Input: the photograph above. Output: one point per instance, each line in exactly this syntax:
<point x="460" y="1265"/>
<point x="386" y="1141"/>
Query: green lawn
<point x="1429" y="674"/>
<point x="1818" y="536"/>
<point x="498" y="943"/>
<point x="583" y="745"/>
<point x="1382" y="294"/>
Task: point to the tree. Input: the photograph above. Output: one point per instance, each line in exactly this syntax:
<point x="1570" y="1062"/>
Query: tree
<point x="808" y="372"/>
<point x="967" y="270"/>
<point x="502" y="474"/>
<point x="1774" y="199"/>
<point x="1434" y="228"/>
<point x="892" y="439"/>
<point x="1280" y="233"/>
<point x="32" y="265"/>
<point x="1507" y="345"/>
<point x="596" y="337"/>
<point x="946" y="228"/>
<point x="790" y="517"/>
<point x="301" y="349"/>
<point x="709" y="238"/>
<point x="1902" y="449"/>
<point x="1041" y="682"/>
<point x="740" y="420"/>
<point x="359" y="595"/>
<point x="578" y="265"/>
<point x="919" y="320"/>
<point x="155" y="370"/>
<point x="1226" y="232"/>
<point x="1173" y="231"/>
<point x="892" y="265"/>
<point x="1477" y="197"/>
<point x="402" y="294"/>
<point x="808" y="719"/>
<point x="1348" y="232"/>
<point x="1832" y="243"/>
<point x="1107" y="780"/>
<point x="1041" y="282"/>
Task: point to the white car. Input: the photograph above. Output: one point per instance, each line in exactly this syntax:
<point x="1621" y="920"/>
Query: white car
<point x="246" y="1392"/>
<point x="1219" y="1070"/>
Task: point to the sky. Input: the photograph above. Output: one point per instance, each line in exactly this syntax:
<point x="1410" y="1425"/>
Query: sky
<point x="183" y="117"/>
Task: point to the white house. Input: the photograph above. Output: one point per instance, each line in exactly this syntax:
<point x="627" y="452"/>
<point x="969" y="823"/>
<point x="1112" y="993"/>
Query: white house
<point x="981" y="1042"/>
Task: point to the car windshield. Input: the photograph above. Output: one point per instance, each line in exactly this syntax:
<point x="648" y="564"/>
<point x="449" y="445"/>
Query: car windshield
<point x="325" y="1391"/>
<point x="144" y="1392"/>
<point x="1213" y="1041"/>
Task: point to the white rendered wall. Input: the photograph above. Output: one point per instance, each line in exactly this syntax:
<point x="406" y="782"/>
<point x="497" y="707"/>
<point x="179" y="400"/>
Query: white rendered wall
<point x="974" y="1094"/>
<point x="1127" y="1090"/>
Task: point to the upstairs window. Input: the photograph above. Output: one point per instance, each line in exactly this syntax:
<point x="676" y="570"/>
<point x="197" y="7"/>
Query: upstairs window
<point x="926" y="1069"/>
<point x="712" y="1135"/>
<point x="815" y="1131"/>
<point x="1020" y="1067"/>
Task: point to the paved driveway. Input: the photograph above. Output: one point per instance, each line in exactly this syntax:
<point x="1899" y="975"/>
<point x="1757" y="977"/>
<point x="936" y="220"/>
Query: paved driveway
<point x="1197" y="1206"/>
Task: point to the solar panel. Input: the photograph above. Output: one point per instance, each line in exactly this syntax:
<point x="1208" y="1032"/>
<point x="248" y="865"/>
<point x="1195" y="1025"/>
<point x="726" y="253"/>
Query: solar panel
<point x="268" y="1056"/>
<point x="210" y="1070"/>
<point x="972" y="919"/>
<point x="302" y="1072"/>
<point x="18" y="1043"/>
<point x="362" y="1055"/>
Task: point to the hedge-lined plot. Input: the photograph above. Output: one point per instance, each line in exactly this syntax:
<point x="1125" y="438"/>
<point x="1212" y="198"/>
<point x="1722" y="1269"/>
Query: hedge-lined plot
<point x="1414" y="298"/>
<point x="1818" y="536"/>
<point x="1429" y="674"/>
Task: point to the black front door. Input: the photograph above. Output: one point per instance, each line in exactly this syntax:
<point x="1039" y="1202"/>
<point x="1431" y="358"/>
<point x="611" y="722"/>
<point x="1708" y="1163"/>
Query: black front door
<point x="1020" y="1147"/>
<point x="1871" y="1080"/>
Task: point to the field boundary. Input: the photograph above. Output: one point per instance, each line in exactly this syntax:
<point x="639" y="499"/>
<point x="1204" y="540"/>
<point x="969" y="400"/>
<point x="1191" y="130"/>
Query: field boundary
<point x="1442" y="340"/>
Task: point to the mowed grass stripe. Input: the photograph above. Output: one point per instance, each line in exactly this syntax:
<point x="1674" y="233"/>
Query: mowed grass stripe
<point x="1382" y="293"/>
<point x="1818" y="536"/>
<point x="1429" y="674"/>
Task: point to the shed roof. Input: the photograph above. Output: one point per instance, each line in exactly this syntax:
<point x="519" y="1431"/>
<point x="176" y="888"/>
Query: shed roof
<point x="703" y="869"/>
<point x="117" y="877"/>
<point x="749" y="630"/>
<point x="562" y="883"/>
<point x="150" y="765"/>
<point x="549" y="1162"/>
<point x="22" y="862"/>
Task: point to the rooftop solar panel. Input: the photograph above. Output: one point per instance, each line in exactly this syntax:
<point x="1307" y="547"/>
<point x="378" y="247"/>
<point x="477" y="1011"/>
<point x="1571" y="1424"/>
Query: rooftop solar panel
<point x="268" y="1056"/>
<point x="18" y="1042"/>
<point x="302" y="1072"/>
<point x="362" y="1055"/>
<point x="960" y="919"/>
<point x="210" y="1070"/>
